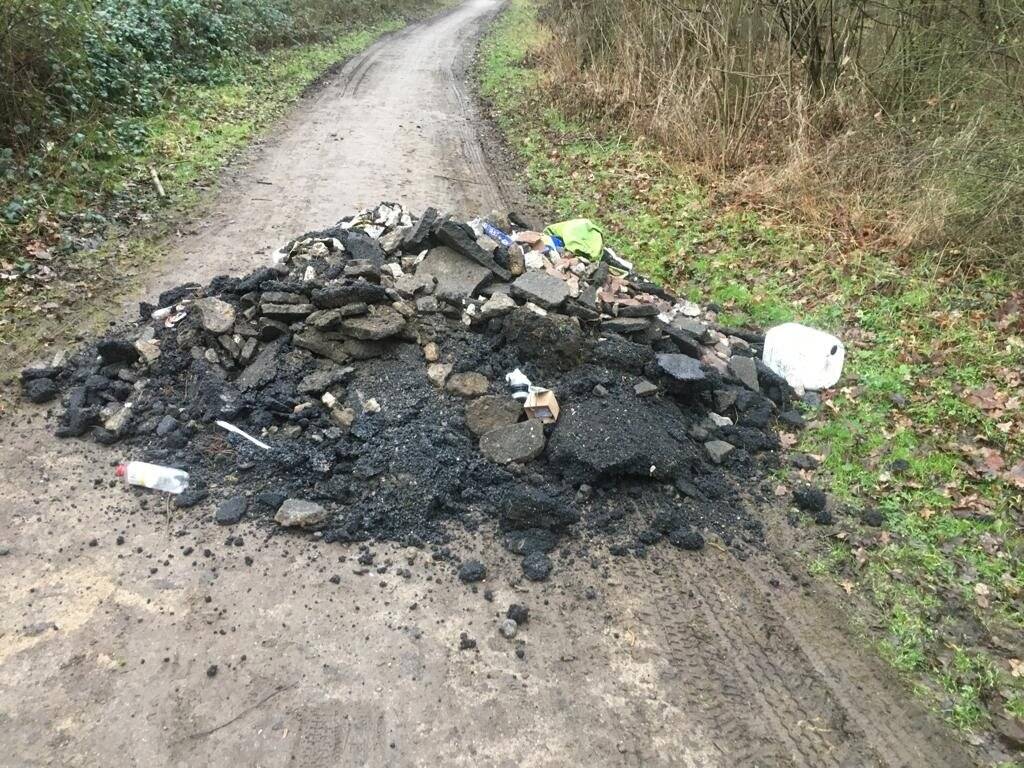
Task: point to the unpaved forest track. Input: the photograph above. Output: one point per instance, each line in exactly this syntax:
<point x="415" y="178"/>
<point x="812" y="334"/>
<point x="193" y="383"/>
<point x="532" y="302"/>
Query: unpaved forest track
<point x="678" y="659"/>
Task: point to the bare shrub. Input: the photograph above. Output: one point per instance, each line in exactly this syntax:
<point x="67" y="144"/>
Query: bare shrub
<point x="895" y="120"/>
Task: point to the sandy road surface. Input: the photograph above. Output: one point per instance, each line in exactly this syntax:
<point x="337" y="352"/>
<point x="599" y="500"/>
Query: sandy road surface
<point x="107" y="648"/>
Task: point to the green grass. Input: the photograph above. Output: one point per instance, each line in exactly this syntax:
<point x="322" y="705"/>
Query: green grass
<point x="187" y="143"/>
<point x="911" y="330"/>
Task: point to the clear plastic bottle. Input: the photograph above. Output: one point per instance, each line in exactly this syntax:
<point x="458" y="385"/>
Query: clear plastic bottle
<point x="153" y="476"/>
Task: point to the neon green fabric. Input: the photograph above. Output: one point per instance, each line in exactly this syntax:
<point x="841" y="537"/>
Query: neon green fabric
<point x="580" y="236"/>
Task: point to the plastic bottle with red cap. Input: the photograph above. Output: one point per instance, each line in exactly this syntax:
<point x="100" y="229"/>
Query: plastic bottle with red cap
<point x="153" y="476"/>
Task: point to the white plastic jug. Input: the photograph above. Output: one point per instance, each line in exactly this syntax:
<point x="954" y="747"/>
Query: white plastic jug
<point x="805" y="357"/>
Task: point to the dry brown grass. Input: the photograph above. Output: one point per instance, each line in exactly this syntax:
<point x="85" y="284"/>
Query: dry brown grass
<point x="894" y="125"/>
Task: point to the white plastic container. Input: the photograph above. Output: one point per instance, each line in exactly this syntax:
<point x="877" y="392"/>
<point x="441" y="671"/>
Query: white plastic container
<point x="805" y="357"/>
<point x="153" y="476"/>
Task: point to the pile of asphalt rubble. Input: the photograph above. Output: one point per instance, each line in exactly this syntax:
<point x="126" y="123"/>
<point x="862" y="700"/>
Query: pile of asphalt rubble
<point x="370" y="359"/>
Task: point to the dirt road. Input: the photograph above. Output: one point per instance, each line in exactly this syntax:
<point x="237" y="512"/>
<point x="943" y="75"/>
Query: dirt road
<point x="140" y="635"/>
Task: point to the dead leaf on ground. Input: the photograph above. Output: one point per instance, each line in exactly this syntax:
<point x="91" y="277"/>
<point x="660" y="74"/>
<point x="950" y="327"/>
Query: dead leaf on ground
<point x="981" y="595"/>
<point x="1015" y="474"/>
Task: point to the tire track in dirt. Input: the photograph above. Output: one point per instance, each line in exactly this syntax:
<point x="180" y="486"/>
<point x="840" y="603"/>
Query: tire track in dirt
<point x="771" y="687"/>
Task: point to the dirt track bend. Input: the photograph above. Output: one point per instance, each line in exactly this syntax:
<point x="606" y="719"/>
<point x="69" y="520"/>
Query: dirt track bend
<point x="678" y="660"/>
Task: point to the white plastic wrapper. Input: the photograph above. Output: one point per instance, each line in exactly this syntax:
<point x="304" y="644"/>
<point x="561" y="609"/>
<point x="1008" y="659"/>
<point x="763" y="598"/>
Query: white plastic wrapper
<point x="805" y="357"/>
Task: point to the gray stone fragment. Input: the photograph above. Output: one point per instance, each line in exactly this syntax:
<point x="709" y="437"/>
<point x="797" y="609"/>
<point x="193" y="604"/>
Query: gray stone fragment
<point x="231" y="510"/>
<point x="438" y="373"/>
<point x="645" y="389"/>
<point x="419" y="284"/>
<point x="518" y="443"/>
<point x="745" y="369"/>
<point x="382" y="322"/>
<point x="283" y="297"/>
<point x="508" y="628"/>
<point x="215" y="316"/>
<point x="471" y="384"/>
<point x="41" y="390"/>
<point x="456" y="275"/>
<point x="681" y="369"/>
<point x="300" y="513"/>
<point x="541" y="288"/>
<point x="490" y="412"/>
<point x="718" y="450"/>
<point x="427" y="305"/>
<point x="499" y="304"/>
<point x="626" y="325"/>
<point x="167" y="425"/>
<point x="323" y="347"/>
<point x="262" y="370"/>
<point x="286" y="310"/>
<point x="695" y="328"/>
<point x="319" y="382"/>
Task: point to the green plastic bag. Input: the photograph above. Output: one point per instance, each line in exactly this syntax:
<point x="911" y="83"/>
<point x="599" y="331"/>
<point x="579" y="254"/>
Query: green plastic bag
<point x="580" y="236"/>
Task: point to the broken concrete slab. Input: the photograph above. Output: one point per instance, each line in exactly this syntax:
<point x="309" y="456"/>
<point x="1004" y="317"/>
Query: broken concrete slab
<point x="318" y="382"/>
<point x="462" y="240"/>
<point x="718" y="450"/>
<point x="542" y="289"/>
<point x="454" y="274"/>
<point x="745" y="371"/>
<point x="215" y="315"/>
<point x="682" y="370"/>
<point x="498" y="305"/>
<point x="231" y="510"/>
<point x="381" y="322"/>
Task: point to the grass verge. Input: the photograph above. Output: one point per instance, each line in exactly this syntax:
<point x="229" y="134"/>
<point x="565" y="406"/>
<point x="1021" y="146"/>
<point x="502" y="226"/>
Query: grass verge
<point x="97" y="219"/>
<point x="926" y="429"/>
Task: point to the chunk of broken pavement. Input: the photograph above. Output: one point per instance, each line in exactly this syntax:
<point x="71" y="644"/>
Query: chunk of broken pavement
<point x="718" y="450"/>
<point x="360" y="292"/>
<point x="455" y="274"/>
<point x="499" y="304"/>
<point x="461" y="239"/>
<point x="262" y="370"/>
<point x="680" y="369"/>
<point x="491" y="412"/>
<point x="215" y="315"/>
<point x="626" y="325"/>
<point x="419" y="284"/>
<point x="552" y="341"/>
<point x="319" y="345"/>
<point x="319" y="382"/>
<point x="472" y="571"/>
<point x="381" y="323"/>
<point x="517" y="443"/>
<point x="745" y="370"/>
<point x="231" y="510"/>
<point x="40" y="390"/>
<point x="300" y="513"/>
<point x="470" y="384"/>
<point x="645" y="389"/>
<point x="541" y="288"/>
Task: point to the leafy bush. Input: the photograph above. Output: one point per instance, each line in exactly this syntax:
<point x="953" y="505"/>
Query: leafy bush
<point x="62" y="61"/>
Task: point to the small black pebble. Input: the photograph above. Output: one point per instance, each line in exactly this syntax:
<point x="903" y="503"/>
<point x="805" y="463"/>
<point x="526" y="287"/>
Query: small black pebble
<point x="211" y="671"/>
